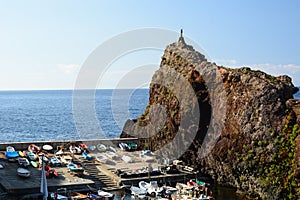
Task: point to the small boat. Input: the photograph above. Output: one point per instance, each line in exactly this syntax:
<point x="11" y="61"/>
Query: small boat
<point x="63" y="160"/>
<point x="83" y="147"/>
<point x="113" y="149"/>
<point x="132" y="146"/>
<point x="127" y="159"/>
<point x="22" y="154"/>
<point x="138" y="192"/>
<point x="33" y="148"/>
<point x="192" y="184"/>
<point x="10" y="149"/>
<point x="50" y="172"/>
<point x="201" y="183"/>
<point x="75" y="168"/>
<point x="101" y="158"/>
<point x="123" y="146"/>
<point x="106" y="195"/>
<point x="59" y="152"/>
<point x="58" y="196"/>
<point x="86" y="156"/>
<point x="177" y="162"/>
<point x="54" y="162"/>
<point x="34" y="164"/>
<point x="1" y="166"/>
<point x="23" y="172"/>
<point x="47" y="147"/>
<point x="151" y="188"/>
<point x="167" y="190"/>
<point x="32" y="156"/>
<point x="2" y="156"/>
<point x="77" y="196"/>
<point x="101" y="147"/>
<point x="145" y="152"/>
<point x="11" y="153"/>
<point x="94" y="196"/>
<point x="111" y="155"/>
<point x="144" y="185"/>
<point x="74" y="149"/>
<point x="92" y="148"/>
<point x="183" y="187"/>
<point x="23" y="162"/>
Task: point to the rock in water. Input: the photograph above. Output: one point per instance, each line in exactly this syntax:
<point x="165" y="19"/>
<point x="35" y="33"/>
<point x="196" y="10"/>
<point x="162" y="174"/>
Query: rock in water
<point x="242" y="128"/>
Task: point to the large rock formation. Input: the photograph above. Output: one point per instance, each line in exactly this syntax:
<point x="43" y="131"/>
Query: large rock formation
<point x="239" y="126"/>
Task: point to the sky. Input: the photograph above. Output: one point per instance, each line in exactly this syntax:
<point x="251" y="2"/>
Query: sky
<point x="44" y="44"/>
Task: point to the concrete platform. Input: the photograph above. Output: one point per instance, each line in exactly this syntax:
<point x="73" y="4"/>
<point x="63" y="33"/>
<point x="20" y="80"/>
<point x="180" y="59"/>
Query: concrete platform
<point x="98" y="175"/>
<point x="139" y="164"/>
<point x="12" y="183"/>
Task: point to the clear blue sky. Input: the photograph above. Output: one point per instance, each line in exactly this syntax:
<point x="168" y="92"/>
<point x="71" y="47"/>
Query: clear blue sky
<point x="44" y="43"/>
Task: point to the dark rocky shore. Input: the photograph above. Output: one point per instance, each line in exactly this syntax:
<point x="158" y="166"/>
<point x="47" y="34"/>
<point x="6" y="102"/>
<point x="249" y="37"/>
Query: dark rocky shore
<point x="248" y="126"/>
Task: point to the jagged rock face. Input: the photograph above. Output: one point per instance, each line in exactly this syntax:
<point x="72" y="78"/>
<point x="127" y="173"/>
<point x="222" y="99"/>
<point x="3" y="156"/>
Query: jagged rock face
<point x="240" y="127"/>
<point x="295" y="105"/>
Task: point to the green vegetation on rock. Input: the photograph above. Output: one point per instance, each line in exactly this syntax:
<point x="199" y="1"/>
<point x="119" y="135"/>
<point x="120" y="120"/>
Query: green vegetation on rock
<point x="280" y="172"/>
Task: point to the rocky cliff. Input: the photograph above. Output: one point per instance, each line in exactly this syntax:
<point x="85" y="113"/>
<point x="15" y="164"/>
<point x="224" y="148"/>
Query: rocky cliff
<point x="240" y="126"/>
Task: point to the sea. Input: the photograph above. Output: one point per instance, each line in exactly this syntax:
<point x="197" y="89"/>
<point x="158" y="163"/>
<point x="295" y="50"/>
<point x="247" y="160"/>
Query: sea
<point x="297" y="95"/>
<point x="48" y="115"/>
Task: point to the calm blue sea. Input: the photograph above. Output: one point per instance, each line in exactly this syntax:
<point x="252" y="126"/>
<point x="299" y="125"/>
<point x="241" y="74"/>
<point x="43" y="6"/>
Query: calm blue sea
<point x="48" y="115"/>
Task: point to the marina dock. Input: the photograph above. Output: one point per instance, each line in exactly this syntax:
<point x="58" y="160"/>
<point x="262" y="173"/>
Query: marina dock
<point x="96" y="175"/>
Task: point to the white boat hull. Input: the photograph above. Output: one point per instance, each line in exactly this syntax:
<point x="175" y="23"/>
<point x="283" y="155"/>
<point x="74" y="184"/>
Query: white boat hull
<point x="106" y="195"/>
<point x="23" y="172"/>
<point x="127" y="159"/>
<point x="101" y="158"/>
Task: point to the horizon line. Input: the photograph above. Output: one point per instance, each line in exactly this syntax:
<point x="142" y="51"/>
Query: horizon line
<point x="69" y="89"/>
